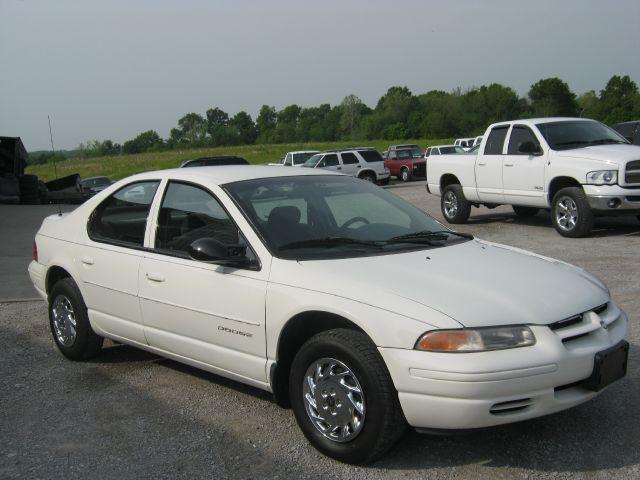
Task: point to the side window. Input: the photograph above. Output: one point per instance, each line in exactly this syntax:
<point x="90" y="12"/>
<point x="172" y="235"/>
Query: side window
<point x="189" y="213"/>
<point x="287" y="159"/>
<point x="435" y="151"/>
<point x="122" y="217"/>
<point x="331" y="160"/>
<point x="392" y="155"/>
<point x="349" y="158"/>
<point x="519" y="135"/>
<point x="495" y="142"/>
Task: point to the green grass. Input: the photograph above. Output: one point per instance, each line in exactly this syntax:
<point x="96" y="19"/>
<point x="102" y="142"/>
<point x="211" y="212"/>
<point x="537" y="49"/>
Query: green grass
<point x="121" y="166"/>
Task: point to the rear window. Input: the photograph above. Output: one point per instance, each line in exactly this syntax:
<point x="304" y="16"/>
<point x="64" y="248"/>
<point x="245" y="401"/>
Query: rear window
<point x="495" y="142"/>
<point x="371" y="156"/>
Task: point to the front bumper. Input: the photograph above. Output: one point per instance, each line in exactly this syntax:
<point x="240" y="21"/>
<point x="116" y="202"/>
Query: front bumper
<point x="458" y="391"/>
<point x="611" y="199"/>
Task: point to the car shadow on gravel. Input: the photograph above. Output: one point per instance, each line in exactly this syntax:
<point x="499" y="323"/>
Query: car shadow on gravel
<point x="604" y="226"/>
<point x="598" y="435"/>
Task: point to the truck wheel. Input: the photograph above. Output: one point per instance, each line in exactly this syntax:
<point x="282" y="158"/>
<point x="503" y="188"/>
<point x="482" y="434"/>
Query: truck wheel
<point x="69" y="322"/>
<point x="570" y="213"/>
<point x="455" y="207"/>
<point x="343" y="397"/>
<point x="368" y="177"/>
<point x="525" y="212"/>
<point x="405" y="174"/>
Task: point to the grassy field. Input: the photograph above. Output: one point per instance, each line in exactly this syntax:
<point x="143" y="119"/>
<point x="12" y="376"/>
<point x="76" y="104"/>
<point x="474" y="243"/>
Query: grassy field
<point x="121" y="166"/>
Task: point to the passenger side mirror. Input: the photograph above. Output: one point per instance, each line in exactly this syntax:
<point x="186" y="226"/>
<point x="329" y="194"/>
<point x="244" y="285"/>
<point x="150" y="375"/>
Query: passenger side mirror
<point x="529" y="148"/>
<point x="210" y="250"/>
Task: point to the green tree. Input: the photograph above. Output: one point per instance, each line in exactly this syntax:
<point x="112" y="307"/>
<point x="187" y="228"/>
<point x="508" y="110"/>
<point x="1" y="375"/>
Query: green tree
<point x="246" y="133"/>
<point x="552" y="97"/>
<point x="352" y="109"/>
<point x="589" y="105"/>
<point x="193" y="128"/>
<point x="266" y="123"/>
<point x="143" y="142"/>
<point x="619" y="101"/>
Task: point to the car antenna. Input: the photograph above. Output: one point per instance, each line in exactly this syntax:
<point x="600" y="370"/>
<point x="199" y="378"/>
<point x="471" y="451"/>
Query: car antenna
<point x="55" y="166"/>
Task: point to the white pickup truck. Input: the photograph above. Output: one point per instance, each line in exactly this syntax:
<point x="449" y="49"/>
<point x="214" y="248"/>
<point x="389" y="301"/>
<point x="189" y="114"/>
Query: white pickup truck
<point x="577" y="168"/>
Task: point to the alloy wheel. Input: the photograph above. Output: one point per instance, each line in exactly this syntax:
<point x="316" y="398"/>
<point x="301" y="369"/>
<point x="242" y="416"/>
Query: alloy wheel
<point x="566" y="213"/>
<point x="450" y="202"/>
<point x="64" y="320"/>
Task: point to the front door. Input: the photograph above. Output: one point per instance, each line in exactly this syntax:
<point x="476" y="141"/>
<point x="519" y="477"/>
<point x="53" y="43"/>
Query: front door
<point x="207" y="313"/>
<point x="110" y="258"/>
<point x="523" y="173"/>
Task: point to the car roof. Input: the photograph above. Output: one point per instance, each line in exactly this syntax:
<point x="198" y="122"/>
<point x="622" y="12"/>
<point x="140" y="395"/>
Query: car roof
<point x="226" y="173"/>
<point x="405" y="145"/>
<point x="303" y="151"/>
<point x="537" y="121"/>
<point x="441" y="146"/>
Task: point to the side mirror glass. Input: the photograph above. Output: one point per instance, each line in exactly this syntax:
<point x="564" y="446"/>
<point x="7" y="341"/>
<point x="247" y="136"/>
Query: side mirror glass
<point x="211" y="250"/>
<point x="529" y="148"/>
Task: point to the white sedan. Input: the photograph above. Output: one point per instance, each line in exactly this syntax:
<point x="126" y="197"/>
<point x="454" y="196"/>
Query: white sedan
<point x="356" y="308"/>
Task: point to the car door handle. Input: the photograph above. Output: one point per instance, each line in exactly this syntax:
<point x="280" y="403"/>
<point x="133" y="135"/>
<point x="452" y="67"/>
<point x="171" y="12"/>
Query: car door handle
<point x="87" y="260"/>
<point x="359" y="166"/>
<point x="508" y="164"/>
<point x="481" y="164"/>
<point x="339" y="168"/>
<point x="154" y="277"/>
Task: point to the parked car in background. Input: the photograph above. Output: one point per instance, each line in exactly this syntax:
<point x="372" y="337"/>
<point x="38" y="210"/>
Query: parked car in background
<point x="629" y="130"/>
<point x="216" y="161"/>
<point x="298" y="158"/>
<point x="464" y="142"/>
<point x="477" y="141"/>
<point x="405" y="161"/>
<point x="341" y="299"/>
<point x="577" y="168"/>
<point x="444" y="150"/>
<point x="361" y="162"/>
<point x="92" y="185"/>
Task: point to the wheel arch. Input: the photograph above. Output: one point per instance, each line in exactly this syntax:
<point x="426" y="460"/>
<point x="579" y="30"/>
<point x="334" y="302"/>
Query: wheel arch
<point x="55" y="273"/>
<point x="448" y="179"/>
<point x="558" y="183"/>
<point x="367" y="171"/>
<point x="296" y="331"/>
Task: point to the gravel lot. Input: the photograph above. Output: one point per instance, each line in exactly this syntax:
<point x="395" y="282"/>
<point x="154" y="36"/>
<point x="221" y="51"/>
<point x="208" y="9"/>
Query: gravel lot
<point x="130" y="414"/>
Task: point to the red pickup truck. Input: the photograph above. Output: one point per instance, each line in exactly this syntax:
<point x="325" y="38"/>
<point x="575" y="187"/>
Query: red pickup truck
<point x="405" y="161"/>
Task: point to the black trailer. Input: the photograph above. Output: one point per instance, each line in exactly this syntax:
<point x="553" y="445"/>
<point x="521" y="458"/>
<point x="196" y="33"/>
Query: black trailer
<point x="15" y="186"/>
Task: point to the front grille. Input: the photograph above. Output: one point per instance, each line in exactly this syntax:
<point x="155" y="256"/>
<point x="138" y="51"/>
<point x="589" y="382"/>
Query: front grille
<point x="632" y="173"/>
<point x="583" y="324"/>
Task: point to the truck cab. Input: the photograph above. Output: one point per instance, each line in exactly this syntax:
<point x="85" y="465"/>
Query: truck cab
<point x="405" y="161"/>
<point x="576" y="168"/>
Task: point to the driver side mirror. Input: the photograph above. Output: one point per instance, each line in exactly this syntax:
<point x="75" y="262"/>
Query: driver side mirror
<point x="210" y="250"/>
<point x="529" y="148"/>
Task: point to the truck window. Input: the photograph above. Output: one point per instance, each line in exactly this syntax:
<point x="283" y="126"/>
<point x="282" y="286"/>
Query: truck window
<point x="392" y="155"/>
<point x="495" y="141"/>
<point x="287" y="160"/>
<point x="519" y="135"/>
<point x="349" y="158"/>
<point x="331" y="160"/>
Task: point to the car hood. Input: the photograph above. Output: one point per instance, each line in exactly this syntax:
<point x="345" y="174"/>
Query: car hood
<point x="475" y="283"/>
<point x="618" y="154"/>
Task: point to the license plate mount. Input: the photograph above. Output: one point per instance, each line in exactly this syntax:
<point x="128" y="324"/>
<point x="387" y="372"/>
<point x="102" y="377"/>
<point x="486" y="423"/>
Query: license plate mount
<point x="608" y="366"/>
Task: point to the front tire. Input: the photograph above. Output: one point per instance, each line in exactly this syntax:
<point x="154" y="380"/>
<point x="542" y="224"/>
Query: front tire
<point x="525" y="212"/>
<point x="570" y="213"/>
<point x="69" y="322"/>
<point x="455" y="207"/>
<point x="343" y="397"/>
<point x="405" y="174"/>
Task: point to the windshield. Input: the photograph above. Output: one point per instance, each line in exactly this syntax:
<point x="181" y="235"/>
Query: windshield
<point x="312" y="161"/>
<point x="452" y="149"/>
<point x="409" y="153"/>
<point x="95" y="182"/>
<point x="578" y="134"/>
<point x="299" y="158"/>
<point x="326" y="216"/>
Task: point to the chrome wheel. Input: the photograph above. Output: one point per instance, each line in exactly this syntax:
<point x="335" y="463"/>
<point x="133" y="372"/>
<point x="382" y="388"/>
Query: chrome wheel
<point x="450" y="202"/>
<point x="405" y="175"/>
<point x="64" y="321"/>
<point x="566" y="213"/>
<point x="334" y="400"/>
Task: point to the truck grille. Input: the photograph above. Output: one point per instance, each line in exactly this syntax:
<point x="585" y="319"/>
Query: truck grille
<point x="632" y="173"/>
<point x="584" y="324"/>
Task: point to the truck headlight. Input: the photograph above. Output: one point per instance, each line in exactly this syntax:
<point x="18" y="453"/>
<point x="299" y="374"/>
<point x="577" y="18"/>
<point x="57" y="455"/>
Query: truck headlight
<point x="476" y="339"/>
<point x="602" y="177"/>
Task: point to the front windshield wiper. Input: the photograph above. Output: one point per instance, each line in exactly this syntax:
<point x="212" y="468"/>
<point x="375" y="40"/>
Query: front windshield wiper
<point x="428" y="236"/>
<point x="329" y="242"/>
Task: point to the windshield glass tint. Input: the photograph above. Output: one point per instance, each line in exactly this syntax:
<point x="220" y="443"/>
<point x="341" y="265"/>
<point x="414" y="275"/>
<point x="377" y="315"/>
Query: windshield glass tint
<point x="409" y="153"/>
<point x="311" y="217"/>
<point x="299" y="158"/>
<point x="371" y="156"/>
<point x="577" y="134"/>
<point x="312" y="161"/>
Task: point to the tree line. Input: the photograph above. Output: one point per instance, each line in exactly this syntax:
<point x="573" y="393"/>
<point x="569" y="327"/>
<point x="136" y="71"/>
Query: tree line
<point x="398" y="114"/>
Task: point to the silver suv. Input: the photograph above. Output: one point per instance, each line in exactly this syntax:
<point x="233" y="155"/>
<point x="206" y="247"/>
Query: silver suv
<point x="361" y="162"/>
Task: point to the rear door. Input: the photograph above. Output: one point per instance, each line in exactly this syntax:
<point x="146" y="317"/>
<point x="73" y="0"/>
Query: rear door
<point x="110" y="259"/>
<point x="207" y="313"/>
<point x="350" y="163"/>
<point x="489" y="166"/>
<point x="522" y="173"/>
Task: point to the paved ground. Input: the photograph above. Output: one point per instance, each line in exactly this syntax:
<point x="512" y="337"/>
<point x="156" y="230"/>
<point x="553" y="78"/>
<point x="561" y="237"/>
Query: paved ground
<point x="130" y="414"/>
<point x="18" y="225"/>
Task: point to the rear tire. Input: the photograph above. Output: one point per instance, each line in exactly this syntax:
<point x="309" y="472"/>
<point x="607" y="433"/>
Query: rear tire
<point x="455" y="207"/>
<point x="405" y="174"/>
<point x="69" y="322"/>
<point x="361" y="378"/>
<point x="525" y="212"/>
<point x="368" y="177"/>
<point x="570" y="213"/>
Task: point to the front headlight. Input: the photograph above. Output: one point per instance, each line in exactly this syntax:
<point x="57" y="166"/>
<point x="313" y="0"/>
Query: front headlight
<point x="602" y="177"/>
<point x="476" y="339"/>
